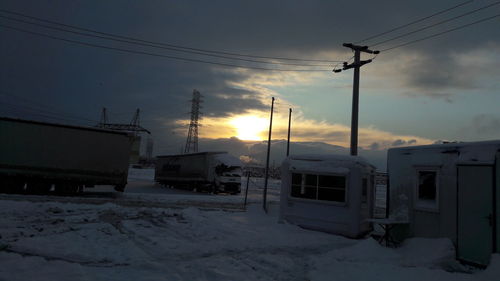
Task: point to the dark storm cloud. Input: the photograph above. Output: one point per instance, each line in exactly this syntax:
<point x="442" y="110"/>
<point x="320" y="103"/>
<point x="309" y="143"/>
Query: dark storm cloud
<point x="437" y="72"/>
<point x="224" y="101"/>
<point x="79" y="80"/>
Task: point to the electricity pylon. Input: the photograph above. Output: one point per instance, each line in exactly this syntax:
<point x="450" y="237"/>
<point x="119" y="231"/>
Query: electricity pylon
<point x="192" y="138"/>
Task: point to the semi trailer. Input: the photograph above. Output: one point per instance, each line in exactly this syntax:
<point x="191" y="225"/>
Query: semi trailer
<point x="205" y="171"/>
<point x="36" y="157"/>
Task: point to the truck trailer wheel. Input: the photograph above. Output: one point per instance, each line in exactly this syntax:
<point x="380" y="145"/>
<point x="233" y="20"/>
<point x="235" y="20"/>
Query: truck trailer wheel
<point x="11" y="185"/>
<point x="66" y="188"/>
<point x="36" y="187"/>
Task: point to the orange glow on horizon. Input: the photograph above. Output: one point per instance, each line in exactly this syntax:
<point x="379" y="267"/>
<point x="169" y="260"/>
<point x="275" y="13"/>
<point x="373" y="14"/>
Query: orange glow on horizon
<point x="249" y="127"/>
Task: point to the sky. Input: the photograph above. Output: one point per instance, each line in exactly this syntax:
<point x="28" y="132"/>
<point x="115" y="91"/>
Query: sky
<point x="442" y="88"/>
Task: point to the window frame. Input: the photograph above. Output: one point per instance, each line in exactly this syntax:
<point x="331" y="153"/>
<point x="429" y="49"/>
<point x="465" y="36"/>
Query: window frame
<point x="309" y="200"/>
<point x="418" y="205"/>
<point x="365" y="198"/>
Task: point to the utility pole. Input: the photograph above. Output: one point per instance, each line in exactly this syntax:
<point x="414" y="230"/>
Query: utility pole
<point x="135" y="119"/>
<point x="355" y="90"/>
<point x="289" y="126"/>
<point x="104" y="118"/>
<point x="264" y="204"/>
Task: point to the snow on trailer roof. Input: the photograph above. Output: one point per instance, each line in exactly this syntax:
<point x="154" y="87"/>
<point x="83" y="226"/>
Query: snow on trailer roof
<point x="229" y="160"/>
<point x="222" y="156"/>
<point x="478" y="152"/>
<point x="63" y="125"/>
<point x="327" y="163"/>
<point x="196" y="153"/>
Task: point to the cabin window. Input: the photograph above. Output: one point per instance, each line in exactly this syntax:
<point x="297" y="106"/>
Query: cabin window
<point x="319" y="187"/>
<point x="427" y="189"/>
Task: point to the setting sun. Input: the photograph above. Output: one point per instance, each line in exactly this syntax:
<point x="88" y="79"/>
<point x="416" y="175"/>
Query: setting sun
<point x="250" y="127"/>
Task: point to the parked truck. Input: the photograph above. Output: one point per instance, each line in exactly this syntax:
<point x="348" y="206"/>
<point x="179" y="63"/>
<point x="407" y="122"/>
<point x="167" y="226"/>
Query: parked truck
<point x="36" y="157"/>
<point x="205" y="171"/>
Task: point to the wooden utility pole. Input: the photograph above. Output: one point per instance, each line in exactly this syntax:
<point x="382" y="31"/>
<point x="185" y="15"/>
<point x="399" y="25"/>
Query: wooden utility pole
<point x="289" y="126"/>
<point x="355" y="90"/>
<point x="267" y="160"/>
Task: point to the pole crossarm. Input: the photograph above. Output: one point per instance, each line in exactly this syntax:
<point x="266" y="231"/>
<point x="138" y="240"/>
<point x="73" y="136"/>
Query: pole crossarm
<point x="363" y="49"/>
<point x="357" y="53"/>
<point x="353" y="65"/>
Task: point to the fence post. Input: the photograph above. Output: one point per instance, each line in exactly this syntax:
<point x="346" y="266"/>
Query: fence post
<point x="246" y="191"/>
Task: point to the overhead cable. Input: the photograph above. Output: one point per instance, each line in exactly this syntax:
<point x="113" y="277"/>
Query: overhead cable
<point x="440" y="33"/>
<point x="135" y="42"/>
<point x="435" y="24"/>
<point x="154" y="54"/>
<point x="414" y="22"/>
<point x="165" y="44"/>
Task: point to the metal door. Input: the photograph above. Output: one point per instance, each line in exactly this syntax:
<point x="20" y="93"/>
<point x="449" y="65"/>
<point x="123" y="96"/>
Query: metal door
<point x="475" y="214"/>
<point x="496" y="205"/>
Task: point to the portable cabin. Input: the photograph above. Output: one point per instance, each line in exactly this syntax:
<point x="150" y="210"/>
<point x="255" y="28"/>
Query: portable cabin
<point x="448" y="190"/>
<point x="331" y="193"/>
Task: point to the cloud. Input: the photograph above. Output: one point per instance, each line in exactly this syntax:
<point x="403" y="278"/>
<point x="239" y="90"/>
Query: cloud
<point x="433" y="72"/>
<point x="448" y="97"/>
<point x="374" y="146"/>
<point x="81" y="80"/>
<point x="481" y="127"/>
<point x="398" y="142"/>
<point x="437" y="75"/>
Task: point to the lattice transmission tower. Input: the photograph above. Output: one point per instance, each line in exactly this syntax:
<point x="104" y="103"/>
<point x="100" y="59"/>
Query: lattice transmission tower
<point x="192" y="138"/>
<point x="134" y="127"/>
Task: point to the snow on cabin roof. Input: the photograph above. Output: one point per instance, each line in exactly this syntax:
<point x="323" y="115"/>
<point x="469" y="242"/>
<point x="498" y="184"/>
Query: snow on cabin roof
<point x="327" y="163"/>
<point x="479" y="152"/>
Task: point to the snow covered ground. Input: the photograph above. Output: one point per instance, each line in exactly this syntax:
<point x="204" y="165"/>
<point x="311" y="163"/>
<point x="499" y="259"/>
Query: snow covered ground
<point x="155" y="233"/>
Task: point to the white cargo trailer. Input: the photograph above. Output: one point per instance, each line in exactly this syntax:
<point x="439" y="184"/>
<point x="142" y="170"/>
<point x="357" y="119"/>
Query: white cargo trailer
<point x="34" y="156"/>
<point x="210" y="171"/>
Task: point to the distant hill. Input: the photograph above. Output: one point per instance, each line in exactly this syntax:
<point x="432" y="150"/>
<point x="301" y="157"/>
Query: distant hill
<point x="255" y="151"/>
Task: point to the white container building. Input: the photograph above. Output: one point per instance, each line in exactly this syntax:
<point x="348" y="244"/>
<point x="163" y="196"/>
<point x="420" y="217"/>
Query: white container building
<point x="331" y="193"/>
<point x="448" y="190"/>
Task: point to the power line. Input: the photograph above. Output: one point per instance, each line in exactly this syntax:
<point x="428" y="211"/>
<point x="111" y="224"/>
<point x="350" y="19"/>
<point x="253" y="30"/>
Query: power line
<point x="165" y="44"/>
<point x="414" y="22"/>
<point x="435" y="24"/>
<point x="157" y="55"/>
<point x="440" y="33"/>
<point x="47" y="112"/>
<point x="16" y="109"/>
<point x="156" y="45"/>
<point x="41" y="106"/>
